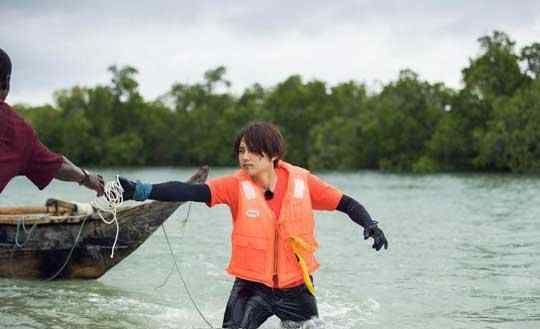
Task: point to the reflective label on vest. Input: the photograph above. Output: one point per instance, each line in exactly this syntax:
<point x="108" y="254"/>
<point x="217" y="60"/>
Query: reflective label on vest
<point x="252" y="213"/>
<point x="299" y="188"/>
<point x="249" y="190"/>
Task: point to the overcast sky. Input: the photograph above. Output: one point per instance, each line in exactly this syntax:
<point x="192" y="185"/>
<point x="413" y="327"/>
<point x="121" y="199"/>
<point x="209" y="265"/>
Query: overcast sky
<point x="59" y="44"/>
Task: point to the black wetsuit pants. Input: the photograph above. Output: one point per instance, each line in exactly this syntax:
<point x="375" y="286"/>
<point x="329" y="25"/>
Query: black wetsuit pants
<point x="251" y="303"/>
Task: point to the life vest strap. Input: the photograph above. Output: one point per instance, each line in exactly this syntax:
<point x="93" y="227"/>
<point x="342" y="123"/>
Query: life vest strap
<point x="298" y="246"/>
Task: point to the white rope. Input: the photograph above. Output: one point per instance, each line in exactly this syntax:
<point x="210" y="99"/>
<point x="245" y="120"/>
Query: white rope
<point x="110" y="203"/>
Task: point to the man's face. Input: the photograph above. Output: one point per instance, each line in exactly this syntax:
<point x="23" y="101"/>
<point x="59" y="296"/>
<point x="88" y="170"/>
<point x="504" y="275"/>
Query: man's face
<point x="253" y="163"/>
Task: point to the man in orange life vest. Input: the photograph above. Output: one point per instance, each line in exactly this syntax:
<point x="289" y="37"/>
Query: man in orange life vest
<point x="21" y="152"/>
<point x="273" y="238"/>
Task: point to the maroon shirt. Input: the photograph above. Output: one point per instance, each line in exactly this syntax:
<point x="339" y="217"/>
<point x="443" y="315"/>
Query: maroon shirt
<point x="21" y="152"/>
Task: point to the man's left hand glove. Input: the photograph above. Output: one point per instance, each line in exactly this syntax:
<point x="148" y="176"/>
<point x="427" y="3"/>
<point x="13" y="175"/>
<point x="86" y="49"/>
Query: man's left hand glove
<point x="379" y="240"/>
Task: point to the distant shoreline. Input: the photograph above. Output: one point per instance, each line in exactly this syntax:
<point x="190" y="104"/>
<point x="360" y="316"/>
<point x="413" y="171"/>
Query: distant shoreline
<point x="492" y="124"/>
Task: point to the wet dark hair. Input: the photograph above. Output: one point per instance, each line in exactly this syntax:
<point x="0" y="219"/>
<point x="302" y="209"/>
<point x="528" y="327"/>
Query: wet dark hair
<point x="262" y="138"/>
<point x="5" y="70"/>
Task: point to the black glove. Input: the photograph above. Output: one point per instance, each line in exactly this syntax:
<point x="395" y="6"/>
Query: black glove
<point x="128" y="186"/>
<point x="379" y="240"/>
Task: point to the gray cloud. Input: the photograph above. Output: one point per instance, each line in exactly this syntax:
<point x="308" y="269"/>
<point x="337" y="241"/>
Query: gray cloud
<point x="57" y="44"/>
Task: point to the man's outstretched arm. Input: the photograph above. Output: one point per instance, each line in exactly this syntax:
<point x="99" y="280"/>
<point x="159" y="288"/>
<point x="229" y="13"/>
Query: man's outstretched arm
<point x="168" y="191"/>
<point x="358" y="214"/>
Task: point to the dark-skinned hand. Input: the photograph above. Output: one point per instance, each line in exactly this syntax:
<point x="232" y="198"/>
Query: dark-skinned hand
<point x="95" y="182"/>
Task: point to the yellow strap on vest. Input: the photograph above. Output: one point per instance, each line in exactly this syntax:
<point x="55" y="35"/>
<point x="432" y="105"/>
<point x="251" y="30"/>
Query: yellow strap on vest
<point x="298" y="245"/>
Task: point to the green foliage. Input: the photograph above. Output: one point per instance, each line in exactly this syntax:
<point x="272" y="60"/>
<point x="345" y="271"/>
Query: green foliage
<point x="46" y="120"/>
<point x="424" y="165"/>
<point x="402" y="120"/>
<point x="124" y="149"/>
<point x="531" y="55"/>
<point x="334" y="145"/>
<point x="513" y="138"/>
<point x="297" y="107"/>
<point x="496" y="71"/>
<point x="454" y="142"/>
<point x="492" y="123"/>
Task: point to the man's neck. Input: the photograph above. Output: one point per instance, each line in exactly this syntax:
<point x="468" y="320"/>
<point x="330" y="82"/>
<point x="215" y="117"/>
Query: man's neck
<point x="267" y="180"/>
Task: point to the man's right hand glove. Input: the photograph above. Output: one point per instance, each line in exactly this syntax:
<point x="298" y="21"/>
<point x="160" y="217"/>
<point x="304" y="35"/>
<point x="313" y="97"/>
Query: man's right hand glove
<point x="137" y="191"/>
<point x="128" y="186"/>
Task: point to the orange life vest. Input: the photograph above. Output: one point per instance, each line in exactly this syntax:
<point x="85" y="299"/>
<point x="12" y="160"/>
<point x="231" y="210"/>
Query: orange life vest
<point x="261" y="244"/>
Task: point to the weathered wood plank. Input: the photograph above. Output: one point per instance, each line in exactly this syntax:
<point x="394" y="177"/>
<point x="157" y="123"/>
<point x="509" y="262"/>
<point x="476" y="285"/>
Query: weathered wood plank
<point x="23" y="210"/>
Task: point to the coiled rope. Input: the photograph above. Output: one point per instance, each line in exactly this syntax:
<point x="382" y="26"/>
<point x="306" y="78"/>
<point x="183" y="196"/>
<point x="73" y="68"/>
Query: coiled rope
<point x="113" y="201"/>
<point x="110" y="203"/>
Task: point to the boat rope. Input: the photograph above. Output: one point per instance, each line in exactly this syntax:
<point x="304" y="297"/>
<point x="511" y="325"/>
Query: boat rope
<point x="183" y="224"/>
<point x="179" y="271"/>
<point x="68" y="258"/>
<point x="20" y="223"/>
<point x="112" y="201"/>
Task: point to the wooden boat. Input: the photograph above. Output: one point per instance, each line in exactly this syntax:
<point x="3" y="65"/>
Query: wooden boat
<point x="52" y="246"/>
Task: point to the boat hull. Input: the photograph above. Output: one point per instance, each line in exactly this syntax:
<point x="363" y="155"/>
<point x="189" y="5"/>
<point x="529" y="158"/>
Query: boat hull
<point x="79" y="247"/>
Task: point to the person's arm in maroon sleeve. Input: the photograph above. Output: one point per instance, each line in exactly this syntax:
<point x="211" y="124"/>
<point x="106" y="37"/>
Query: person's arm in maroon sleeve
<point x="38" y="163"/>
<point x="44" y="165"/>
